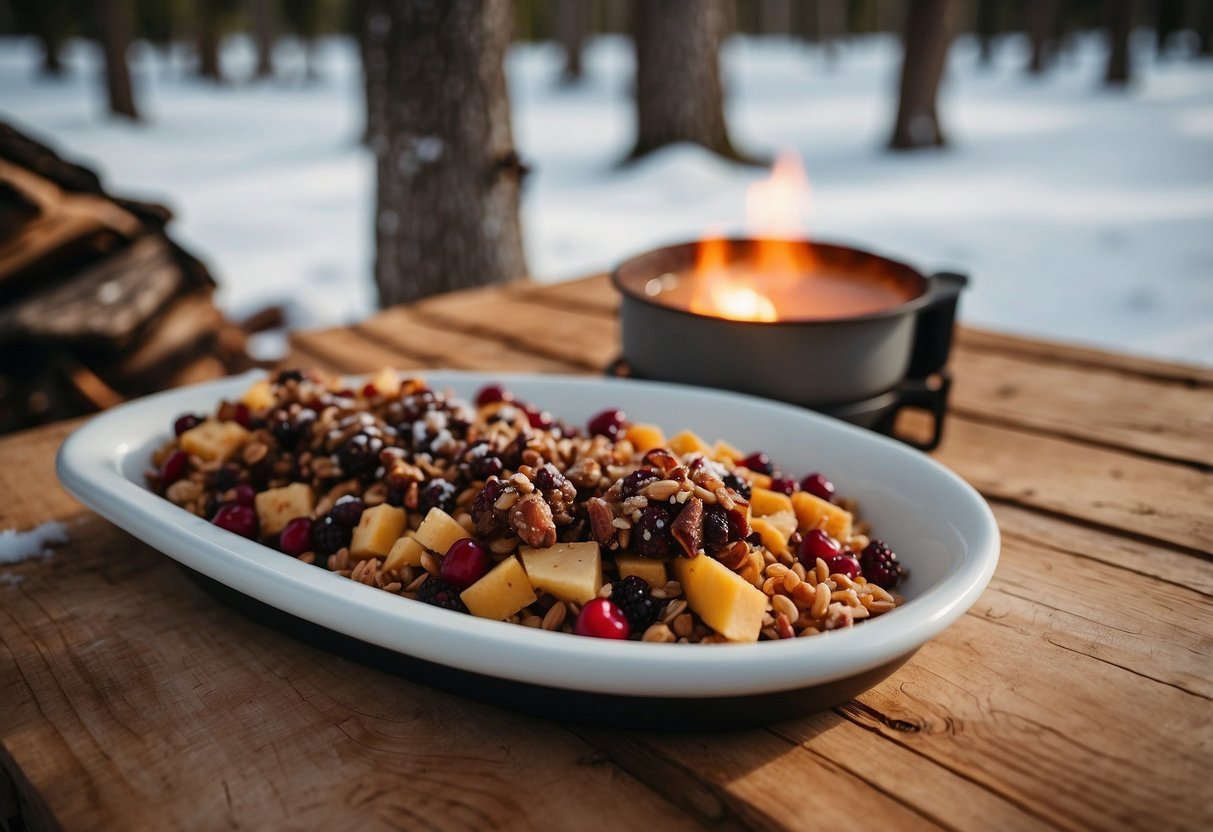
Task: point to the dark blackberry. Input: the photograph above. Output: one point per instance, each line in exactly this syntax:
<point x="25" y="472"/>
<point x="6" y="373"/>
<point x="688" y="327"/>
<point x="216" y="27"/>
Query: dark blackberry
<point x="738" y="484"/>
<point x="439" y="593"/>
<point x="226" y="477"/>
<point x="395" y="494"/>
<point x="283" y="429"/>
<point x="359" y="455"/>
<point x="651" y="534"/>
<point x="347" y="511"/>
<point x="632" y="596"/>
<point x="328" y="536"/>
<point x="482" y="462"/>
<point x="437" y="494"/>
<point x="880" y="565"/>
<point x="289" y="375"/>
<point x="715" y="528"/>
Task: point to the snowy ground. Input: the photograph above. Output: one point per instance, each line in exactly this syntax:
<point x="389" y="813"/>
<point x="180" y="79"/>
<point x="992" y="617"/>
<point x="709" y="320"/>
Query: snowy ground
<point x="1080" y="213"/>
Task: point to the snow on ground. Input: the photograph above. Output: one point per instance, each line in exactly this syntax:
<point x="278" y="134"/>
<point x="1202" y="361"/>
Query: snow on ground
<point x="1081" y="213"/>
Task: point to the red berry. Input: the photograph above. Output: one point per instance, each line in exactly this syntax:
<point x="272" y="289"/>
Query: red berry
<point x="759" y="463"/>
<point x="296" y="536"/>
<point x="845" y="564"/>
<point x="465" y="563"/>
<point x="818" y="544"/>
<point x="492" y="393"/>
<point x="242" y="494"/>
<point x="369" y="391"/>
<point x="242" y="415"/>
<point x="818" y="486"/>
<point x="784" y="485"/>
<point x="237" y="519"/>
<point x="174" y="467"/>
<point x="539" y="419"/>
<point x="185" y="422"/>
<point x="601" y="618"/>
<point x="608" y="423"/>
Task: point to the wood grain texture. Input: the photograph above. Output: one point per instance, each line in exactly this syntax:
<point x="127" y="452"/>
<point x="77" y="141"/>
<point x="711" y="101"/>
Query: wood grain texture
<point x="1074" y="695"/>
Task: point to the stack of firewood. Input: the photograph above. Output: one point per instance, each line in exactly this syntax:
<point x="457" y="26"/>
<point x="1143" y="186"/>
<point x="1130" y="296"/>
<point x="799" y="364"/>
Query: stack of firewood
<point x="97" y="303"/>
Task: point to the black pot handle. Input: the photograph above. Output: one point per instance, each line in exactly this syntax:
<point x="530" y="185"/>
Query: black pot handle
<point x="935" y="321"/>
<point x="929" y="394"/>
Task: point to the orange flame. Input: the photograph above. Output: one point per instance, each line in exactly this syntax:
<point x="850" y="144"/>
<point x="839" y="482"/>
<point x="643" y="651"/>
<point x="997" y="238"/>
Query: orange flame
<point x="775" y="210"/>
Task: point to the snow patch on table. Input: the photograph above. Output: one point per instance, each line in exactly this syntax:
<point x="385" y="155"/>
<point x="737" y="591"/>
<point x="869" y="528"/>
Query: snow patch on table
<point x="37" y="542"/>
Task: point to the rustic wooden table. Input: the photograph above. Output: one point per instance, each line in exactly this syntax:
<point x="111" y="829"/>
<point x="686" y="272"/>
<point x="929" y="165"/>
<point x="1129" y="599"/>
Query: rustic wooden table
<point x="1074" y="695"/>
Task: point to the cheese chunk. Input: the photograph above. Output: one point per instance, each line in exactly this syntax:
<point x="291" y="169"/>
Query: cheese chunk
<point x="278" y="506"/>
<point x="723" y="451"/>
<point x="213" y="439"/>
<point x="688" y="442"/>
<point x="812" y="512"/>
<point x="645" y="438"/>
<point x="722" y="598"/>
<point x="386" y="382"/>
<point x="377" y="531"/>
<point x="259" y="397"/>
<point x="501" y="593"/>
<point x="652" y="570"/>
<point x="405" y="552"/>
<point x="772" y="538"/>
<point x="439" y="530"/>
<point x="570" y="571"/>
<point x="764" y="501"/>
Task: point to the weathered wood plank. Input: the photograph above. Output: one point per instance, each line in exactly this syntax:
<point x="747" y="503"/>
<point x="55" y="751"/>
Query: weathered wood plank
<point x="594" y="293"/>
<point x="414" y="334"/>
<point x="1093" y="404"/>
<point x="345" y="351"/>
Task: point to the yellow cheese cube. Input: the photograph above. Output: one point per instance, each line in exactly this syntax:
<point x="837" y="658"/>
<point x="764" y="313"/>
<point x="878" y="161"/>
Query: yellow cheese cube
<point x="772" y="538"/>
<point x="764" y="501"/>
<point x="386" y="382"/>
<point x="439" y="530"/>
<point x="377" y="531"/>
<point x="570" y="571"/>
<point x="722" y="598"/>
<point x="214" y="439"/>
<point x="687" y="442"/>
<point x="405" y="552"/>
<point x="501" y="593"/>
<point x="651" y="569"/>
<point x="259" y="397"/>
<point x="723" y="451"/>
<point x="278" y="506"/>
<point x="645" y="438"/>
<point x="812" y="512"/>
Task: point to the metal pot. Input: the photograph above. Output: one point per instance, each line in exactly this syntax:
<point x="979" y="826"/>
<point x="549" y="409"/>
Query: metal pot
<point x="863" y="368"/>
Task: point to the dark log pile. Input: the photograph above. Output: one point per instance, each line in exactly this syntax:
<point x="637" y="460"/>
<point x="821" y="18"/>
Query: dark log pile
<point x="97" y="303"/>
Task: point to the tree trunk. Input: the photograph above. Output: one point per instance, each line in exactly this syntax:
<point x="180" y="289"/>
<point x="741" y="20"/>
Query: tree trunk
<point x="115" y="28"/>
<point x="1204" y="26"/>
<point x="679" y="97"/>
<point x="50" y="19"/>
<point x="1042" y="23"/>
<point x="572" y="24"/>
<point x="1169" y="19"/>
<point x="374" y="23"/>
<point x="208" y="42"/>
<point x="447" y="213"/>
<point x="926" y="52"/>
<point x="986" y="24"/>
<point x="1119" y="19"/>
<point x="264" y="13"/>
<point x="831" y="25"/>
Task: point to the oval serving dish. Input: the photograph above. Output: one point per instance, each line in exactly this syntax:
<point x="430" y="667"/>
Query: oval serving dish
<point x="941" y="528"/>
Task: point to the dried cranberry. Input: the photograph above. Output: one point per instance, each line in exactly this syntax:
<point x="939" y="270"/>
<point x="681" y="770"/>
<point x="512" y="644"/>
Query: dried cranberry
<point x="465" y="562"/>
<point x="651" y="533"/>
<point x="237" y="519"/>
<point x="242" y="494"/>
<point x="608" y="423"/>
<point x="759" y="463"/>
<point x="818" y="486"/>
<point x="715" y="528"/>
<point x="185" y="422"/>
<point x="601" y="618"/>
<point x="370" y="391"/>
<point x="437" y="494"/>
<point x="784" y="485"/>
<point x="347" y="511"/>
<point x="817" y="544"/>
<point x="296" y="537"/>
<point x="242" y="415"/>
<point x="174" y="467"/>
<point x="844" y="564"/>
<point x="538" y="419"/>
<point x="637" y="480"/>
<point x="491" y="393"/>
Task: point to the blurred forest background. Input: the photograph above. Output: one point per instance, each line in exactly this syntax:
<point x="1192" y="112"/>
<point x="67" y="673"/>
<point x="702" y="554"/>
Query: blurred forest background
<point x="328" y="156"/>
